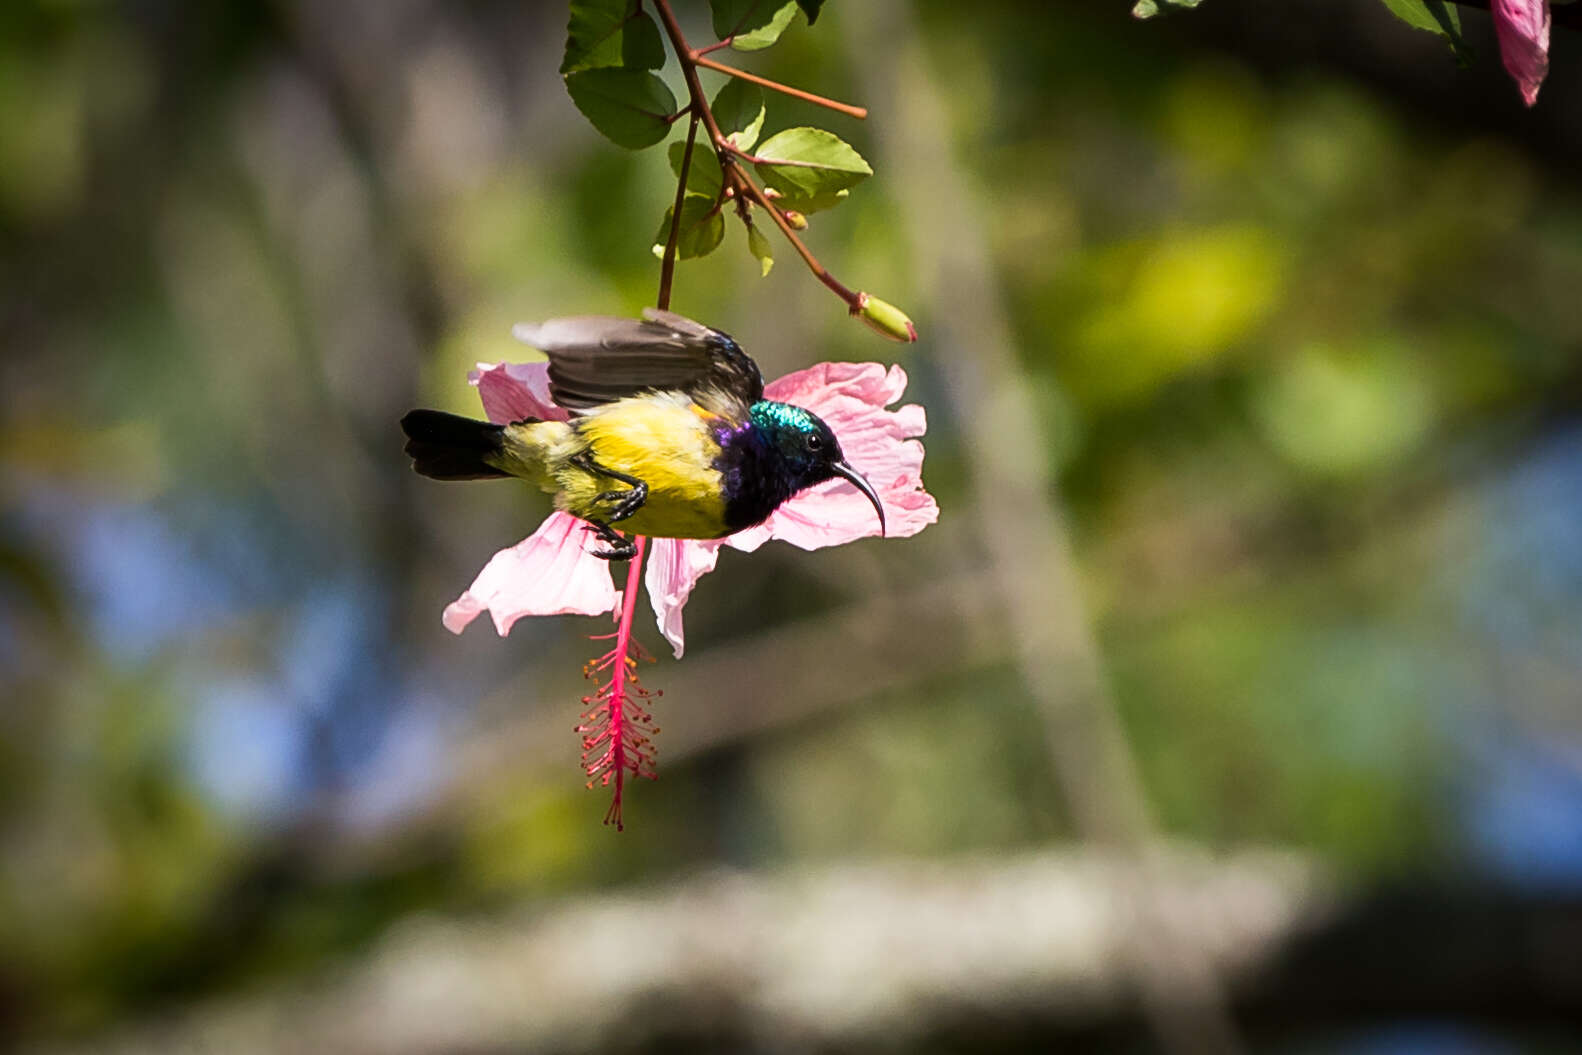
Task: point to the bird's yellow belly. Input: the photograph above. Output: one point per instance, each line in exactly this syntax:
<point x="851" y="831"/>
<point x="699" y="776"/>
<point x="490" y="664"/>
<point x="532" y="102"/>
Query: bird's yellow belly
<point x="664" y="516"/>
<point x="665" y="441"/>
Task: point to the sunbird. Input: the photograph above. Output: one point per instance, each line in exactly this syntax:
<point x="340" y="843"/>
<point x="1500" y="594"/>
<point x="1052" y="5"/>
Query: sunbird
<point x="670" y="434"/>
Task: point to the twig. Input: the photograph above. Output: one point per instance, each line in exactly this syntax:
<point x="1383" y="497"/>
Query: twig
<point x="750" y="189"/>
<point x="848" y="109"/>
<point x="667" y="265"/>
<point x="734" y="176"/>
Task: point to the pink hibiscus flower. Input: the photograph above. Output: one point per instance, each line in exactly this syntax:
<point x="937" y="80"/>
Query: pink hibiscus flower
<point x="1522" y="27"/>
<point x="554" y="570"/>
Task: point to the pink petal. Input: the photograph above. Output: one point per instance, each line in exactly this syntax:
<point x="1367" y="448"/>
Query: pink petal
<point x="1522" y="27"/>
<point x="834" y="513"/>
<point x="551" y="572"/>
<point x="749" y="539"/>
<point x="851" y="398"/>
<point x="674" y="567"/>
<point x="515" y="392"/>
<point x="868" y="383"/>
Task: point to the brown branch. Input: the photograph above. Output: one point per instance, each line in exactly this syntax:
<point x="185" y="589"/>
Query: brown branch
<point x="667" y="265"/>
<point x="750" y="189"/>
<point x="733" y="174"/>
<point x="689" y="68"/>
<point x="848" y="109"/>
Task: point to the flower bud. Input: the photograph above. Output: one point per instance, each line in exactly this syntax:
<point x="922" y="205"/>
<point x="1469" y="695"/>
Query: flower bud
<point x="884" y="318"/>
<point x="797" y="221"/>
<point x="1522" y="28"/>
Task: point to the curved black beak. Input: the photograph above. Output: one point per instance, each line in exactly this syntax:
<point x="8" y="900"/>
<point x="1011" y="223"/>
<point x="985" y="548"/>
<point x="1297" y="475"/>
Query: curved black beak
<point x="860" y="482"/>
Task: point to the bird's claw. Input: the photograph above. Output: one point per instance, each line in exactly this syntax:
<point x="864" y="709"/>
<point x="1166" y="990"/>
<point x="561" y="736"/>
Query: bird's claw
<point x="626" y="502"/>
<point x="621" y="548"/>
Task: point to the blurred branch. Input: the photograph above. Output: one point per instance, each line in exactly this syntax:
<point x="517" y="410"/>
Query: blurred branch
<point x="1024" y="528"/>
<point x="1005" y="951"/>
<point x="355" y="121"/>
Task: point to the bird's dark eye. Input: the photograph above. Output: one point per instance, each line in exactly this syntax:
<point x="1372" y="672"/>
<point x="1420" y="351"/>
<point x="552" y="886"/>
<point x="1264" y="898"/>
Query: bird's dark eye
<point x="815" y="442"/>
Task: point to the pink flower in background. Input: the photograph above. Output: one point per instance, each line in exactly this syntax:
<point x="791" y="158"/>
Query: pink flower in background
<point x="1522" y="27"/>
<point x="554" y="571"/>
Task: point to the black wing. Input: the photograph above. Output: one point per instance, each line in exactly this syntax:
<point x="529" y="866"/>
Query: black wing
<point x="596" y="359"/>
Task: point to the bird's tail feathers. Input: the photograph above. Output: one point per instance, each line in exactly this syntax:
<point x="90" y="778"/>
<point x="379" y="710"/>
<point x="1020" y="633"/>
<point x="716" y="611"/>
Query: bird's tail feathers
<point x="450" y="447"/>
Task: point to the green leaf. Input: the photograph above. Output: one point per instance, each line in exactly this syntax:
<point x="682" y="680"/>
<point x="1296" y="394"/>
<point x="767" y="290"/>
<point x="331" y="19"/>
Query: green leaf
<point x="703" y="175"/>
<point x="702" y="228"/>
<point x="752" y="24"/>
<point x="739" y="111"/>
<point x="758" y="246"/>
<point x="810" y="9"/>
<point x="811" y="168"/>
<point x="605" y="33"/>
<point x="632" y="108"/>
<point x="1416" y="14"/>
<point x="1435" y="16"/>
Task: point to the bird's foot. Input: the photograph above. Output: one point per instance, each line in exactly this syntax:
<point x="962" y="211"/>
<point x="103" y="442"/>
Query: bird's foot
<point x="626" y="502"/>
<point x="621" y="547"/>
<point x="625" y="551"/>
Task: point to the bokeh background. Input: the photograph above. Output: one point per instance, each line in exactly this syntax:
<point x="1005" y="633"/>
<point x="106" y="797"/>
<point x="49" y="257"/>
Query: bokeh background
<point x="1235" y="701"/>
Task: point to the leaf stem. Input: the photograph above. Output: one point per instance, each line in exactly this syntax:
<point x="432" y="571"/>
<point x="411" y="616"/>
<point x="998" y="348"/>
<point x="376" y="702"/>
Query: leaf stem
<point x="848" y="109"/>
